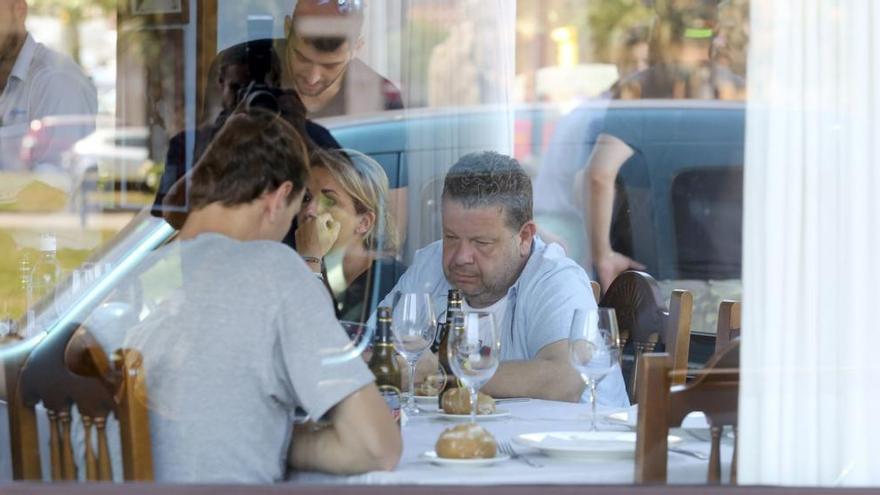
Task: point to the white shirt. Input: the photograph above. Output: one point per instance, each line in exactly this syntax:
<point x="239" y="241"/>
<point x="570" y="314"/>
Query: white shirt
<point x="43" y="83"/>
<point x="497" y="310"/>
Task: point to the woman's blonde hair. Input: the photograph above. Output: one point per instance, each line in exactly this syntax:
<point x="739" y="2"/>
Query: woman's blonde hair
<point x="365" y="181"/>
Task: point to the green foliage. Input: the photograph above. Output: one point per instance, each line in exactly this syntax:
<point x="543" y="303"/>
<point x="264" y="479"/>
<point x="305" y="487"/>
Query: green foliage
<point x="609" y="20"/>
<point x="73" y="9"/>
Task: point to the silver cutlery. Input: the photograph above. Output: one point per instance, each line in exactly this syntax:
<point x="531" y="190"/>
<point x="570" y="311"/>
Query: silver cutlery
<point x="507" y="448"/>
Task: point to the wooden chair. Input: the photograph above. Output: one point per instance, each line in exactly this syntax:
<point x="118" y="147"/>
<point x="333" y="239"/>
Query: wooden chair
<point x="69" y="367"/>
<point x="662" y="405"/>
<point x="729" y="323"/>
<point x="645" y="322"/>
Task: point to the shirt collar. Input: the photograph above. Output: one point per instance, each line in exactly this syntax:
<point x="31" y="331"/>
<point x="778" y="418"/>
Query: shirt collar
<point x="25" y="56"/>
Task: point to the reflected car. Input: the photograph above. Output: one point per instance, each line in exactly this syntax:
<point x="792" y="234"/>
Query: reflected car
<point x="103" y="162"/>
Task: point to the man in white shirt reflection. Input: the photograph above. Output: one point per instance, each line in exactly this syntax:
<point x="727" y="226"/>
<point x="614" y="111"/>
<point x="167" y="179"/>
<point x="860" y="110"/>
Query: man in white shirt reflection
<point x="36" y="82"/>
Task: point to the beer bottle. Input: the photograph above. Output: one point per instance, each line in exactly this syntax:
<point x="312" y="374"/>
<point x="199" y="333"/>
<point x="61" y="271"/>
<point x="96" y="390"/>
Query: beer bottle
<point x="384" y="365"/>
<point x="454" y="323"/>
<point x="453" y="307"/>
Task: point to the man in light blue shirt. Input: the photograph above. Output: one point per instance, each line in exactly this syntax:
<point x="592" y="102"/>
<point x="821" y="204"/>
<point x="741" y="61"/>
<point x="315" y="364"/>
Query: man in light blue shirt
<point x="491" y="253"/>
<point x="36" y="82"/>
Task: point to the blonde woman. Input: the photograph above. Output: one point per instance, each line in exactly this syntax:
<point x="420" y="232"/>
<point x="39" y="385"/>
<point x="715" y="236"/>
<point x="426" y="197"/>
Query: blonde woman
<point x="346" y="232"/>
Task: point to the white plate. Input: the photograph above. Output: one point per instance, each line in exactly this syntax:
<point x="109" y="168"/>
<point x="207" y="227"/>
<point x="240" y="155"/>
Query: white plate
<point x="584" y="443"/>
<point x="693" y="421"/>
<point x="442" y="461"/>
<point x="498" y="414"/>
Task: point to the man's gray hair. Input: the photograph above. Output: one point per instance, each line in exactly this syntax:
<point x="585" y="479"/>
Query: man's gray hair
<point x="487" y="178"/>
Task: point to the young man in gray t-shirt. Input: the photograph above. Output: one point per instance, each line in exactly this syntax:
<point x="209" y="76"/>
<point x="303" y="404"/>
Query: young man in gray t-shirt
<point x="242" y="333"/>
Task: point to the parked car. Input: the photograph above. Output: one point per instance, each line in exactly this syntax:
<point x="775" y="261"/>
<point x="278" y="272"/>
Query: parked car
<point x="104" y="162"/>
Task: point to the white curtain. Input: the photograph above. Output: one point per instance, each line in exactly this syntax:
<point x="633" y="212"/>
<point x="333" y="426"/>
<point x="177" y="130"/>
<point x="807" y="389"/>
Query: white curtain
<point x="810" y="397"/>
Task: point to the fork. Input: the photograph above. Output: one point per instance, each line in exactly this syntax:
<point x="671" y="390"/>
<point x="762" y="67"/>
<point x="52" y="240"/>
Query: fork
<point x="507" y="448"/>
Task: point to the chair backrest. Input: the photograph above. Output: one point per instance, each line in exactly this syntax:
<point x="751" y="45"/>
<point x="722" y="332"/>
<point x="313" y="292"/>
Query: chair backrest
<point x="715" y="392"/>
<point x="644" y="321"/>
<point x="69" y="367"/>
<point x="729" y="323"/>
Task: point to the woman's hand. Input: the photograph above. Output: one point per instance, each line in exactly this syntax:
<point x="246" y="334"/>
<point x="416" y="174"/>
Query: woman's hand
<point x="613" y="264"/>
<point x="316" y="235"/>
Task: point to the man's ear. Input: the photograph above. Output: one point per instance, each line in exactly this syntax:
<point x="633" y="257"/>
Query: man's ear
<point x="277" y="200"/>
<point x="526" y="236"/>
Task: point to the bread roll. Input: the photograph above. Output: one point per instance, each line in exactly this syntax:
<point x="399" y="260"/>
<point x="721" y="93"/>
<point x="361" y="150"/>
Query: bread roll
<point x="458" y="401"/>
<point x="465" y="441"/>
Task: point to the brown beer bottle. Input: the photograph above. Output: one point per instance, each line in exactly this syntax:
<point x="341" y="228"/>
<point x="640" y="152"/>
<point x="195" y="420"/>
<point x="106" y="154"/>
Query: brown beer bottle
<point x="453" y="307"/>
<point x="384" y="365"/>
<point x="453" y="315"/>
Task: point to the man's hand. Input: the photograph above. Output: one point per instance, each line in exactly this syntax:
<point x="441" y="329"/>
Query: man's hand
<point x="316" y="235"/>
<point x="613" y="264"/>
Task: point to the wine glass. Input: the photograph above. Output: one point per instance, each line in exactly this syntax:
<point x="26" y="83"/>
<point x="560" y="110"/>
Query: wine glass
<point x="414" y="327"/>
<point x="474" y="350"/>
<point x="594" y="348"/>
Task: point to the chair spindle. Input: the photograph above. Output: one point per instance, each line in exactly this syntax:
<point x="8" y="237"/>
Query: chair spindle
<point x="68" y="471"/>
<point x="104" y="471"/>
<point x="54" y="445"/>
<point x="91" y="460"/>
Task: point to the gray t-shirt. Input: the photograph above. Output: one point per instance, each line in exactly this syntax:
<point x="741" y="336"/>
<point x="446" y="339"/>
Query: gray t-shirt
<point x="241" y="335"/>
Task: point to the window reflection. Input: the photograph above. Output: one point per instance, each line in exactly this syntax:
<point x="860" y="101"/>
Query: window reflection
<point x="625" y="122"/>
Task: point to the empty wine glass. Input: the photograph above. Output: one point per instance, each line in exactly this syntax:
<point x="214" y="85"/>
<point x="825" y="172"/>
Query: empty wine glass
<point x="474" y="350"/>
<point x="414" y="326"/>
<point x="594" y="348"/>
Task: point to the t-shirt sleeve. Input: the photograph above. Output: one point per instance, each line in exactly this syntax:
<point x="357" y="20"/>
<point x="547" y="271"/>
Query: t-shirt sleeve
<point x="313" y="349"/>
<point x="624" y="124"/>
<point x="554" y="301"/>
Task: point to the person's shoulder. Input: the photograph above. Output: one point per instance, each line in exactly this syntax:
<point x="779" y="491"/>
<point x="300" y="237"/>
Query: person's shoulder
<point x="432" y="253"/>
<point x="52" y="65"/>
<point x="254" y="254"/>
<point x="391" y="94"/>
<point x="426" y="269"/>
<point x="549" y="264"/>
<point x="320" y="136"/>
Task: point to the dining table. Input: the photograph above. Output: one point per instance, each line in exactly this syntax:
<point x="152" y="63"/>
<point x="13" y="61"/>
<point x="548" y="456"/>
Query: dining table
<point x="519" y="424"/>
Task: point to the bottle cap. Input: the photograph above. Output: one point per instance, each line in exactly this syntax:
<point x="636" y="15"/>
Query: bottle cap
<point x="48" y="242"/>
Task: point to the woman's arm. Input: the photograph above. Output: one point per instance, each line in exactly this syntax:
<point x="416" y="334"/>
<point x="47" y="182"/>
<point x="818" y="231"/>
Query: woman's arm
<point x="609" y="154"/>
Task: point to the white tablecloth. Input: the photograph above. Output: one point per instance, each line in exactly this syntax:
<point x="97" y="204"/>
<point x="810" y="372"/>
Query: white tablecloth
<point x="420" y="434"/>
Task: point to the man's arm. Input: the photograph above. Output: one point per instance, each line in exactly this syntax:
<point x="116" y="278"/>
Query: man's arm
<point x="608" y="156"/>
<point x="362" y="436"/>
<point x="548" y="376"/>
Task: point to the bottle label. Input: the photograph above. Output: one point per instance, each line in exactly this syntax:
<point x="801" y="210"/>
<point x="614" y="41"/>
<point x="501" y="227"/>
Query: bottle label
<point x="392" y="398"/>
